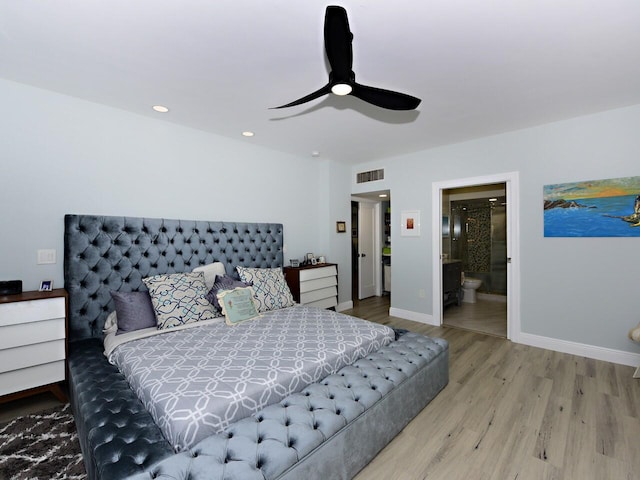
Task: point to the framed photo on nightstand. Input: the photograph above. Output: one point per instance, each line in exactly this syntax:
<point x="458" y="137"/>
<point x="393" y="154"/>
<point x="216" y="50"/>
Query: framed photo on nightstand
<point x="46" y="286"/>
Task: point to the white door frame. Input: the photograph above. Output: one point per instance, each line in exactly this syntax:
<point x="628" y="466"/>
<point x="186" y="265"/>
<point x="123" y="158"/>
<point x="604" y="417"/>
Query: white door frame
<point x="511" y="179"/>
<point x="377" y="248"/>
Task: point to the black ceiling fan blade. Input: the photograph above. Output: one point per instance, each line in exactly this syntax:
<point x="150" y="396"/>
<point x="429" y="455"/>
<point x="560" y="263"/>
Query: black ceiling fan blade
<point x="385" y="98"/>
<point x="312" y="96"/>
<point x="338" y="41"/>
<point x="338" y="44"/>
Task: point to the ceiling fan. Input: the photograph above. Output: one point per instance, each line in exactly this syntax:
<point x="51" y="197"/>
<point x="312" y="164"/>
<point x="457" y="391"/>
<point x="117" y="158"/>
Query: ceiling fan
<point x="342" y="81"/>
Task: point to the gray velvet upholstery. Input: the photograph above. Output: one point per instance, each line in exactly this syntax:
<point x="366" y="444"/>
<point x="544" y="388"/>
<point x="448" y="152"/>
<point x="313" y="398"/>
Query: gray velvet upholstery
<point x="329" y="431"/>
<point x="103" y="253"/>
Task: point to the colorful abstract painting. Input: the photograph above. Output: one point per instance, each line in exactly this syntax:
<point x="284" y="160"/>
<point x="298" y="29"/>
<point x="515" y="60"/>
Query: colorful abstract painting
<point x="595" y="208"/>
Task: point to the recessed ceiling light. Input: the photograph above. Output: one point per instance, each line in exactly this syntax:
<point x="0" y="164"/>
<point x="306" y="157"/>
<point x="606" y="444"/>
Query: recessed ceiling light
<point x="315" y="153"/>
<point x="160" y="108"/>
<point x="493" y="199"/>
<point x="383" y="195"/>
<point x="247" y="133"/>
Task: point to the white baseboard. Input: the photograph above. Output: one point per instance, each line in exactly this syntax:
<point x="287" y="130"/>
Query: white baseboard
<point x="557" y="345"/>
<point x="415" y="316"/>
<point x="341" y="307"/>
<point x="581" y="349"/>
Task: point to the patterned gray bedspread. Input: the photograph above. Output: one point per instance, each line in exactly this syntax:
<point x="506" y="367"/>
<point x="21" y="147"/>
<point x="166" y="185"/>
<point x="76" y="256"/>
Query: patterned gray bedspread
<point x="196" y="382"/>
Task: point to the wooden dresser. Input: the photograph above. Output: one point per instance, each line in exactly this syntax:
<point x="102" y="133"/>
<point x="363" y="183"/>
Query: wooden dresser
<point x="33" y="346"/>
<point x="315" y="285"/>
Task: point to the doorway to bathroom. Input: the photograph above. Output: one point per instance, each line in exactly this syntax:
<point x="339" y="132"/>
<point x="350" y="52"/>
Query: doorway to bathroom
<point x="474" y="284"/>
<point x="475" y="245"/>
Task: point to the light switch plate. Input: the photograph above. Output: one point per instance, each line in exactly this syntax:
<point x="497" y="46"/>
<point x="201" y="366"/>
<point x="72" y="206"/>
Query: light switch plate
<point x="46" y="257"/>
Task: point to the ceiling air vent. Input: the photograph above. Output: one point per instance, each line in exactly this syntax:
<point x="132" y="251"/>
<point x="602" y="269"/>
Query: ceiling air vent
<point x="370" y="176"/>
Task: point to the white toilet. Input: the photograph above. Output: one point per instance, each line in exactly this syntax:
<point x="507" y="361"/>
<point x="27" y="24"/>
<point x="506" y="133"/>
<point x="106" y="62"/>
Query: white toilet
<point x="469" y="287"/>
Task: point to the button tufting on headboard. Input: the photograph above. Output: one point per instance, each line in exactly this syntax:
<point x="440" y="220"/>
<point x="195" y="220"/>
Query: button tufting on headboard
<point x="104" y="253"/>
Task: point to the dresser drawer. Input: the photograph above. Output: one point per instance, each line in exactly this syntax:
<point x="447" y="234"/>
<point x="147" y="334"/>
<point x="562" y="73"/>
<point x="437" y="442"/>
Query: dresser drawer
<point x="31" y="311"/>
<point x="314" y="273"/>
<point x="31" y="355"/>
<point x="25" y="378"/>
<point x="32" y="332"/>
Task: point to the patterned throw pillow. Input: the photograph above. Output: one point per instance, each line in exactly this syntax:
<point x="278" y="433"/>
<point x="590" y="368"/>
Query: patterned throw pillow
<point x="238" y="305"/>
<point x="179" y="298"/>
<point x="223" y="282"/>
<point x="271" y="291"/>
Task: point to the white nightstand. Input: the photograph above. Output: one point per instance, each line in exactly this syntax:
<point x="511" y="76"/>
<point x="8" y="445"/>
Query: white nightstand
<point x="33" y="345"/>
<point x="315" y="285"/>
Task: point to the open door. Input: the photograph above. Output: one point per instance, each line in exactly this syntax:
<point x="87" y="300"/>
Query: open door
<point x="511" y="181"/>
<point x="366" y="250"/>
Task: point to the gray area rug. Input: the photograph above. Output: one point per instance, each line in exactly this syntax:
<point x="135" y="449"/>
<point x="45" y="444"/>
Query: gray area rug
<point x="41" y="446"/>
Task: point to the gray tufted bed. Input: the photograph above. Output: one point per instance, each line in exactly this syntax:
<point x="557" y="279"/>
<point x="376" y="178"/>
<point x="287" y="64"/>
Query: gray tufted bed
<point x="330" y="429"/>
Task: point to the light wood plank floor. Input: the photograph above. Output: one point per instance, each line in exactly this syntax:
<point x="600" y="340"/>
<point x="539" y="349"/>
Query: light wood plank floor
<point x="511" y="412"/>
<point x="484" y="316"/>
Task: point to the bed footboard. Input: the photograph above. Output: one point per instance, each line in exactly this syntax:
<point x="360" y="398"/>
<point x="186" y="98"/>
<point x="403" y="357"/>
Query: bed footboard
<point x="118" y="437"/>
<point x="331" y="429"/>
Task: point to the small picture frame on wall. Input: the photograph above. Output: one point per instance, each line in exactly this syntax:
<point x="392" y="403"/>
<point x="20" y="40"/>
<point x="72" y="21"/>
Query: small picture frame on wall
<point x="46" y="286"/>
<point x="410" y="223"/>
<point x="341" y="227"/>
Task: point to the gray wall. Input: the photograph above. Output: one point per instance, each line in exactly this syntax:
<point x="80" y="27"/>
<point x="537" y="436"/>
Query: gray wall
<point x="580" y="290"/>
<point x="63" y="155"/>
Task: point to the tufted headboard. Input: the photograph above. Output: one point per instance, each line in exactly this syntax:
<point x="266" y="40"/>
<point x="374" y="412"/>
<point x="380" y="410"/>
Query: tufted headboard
<point x="104" y="253"/>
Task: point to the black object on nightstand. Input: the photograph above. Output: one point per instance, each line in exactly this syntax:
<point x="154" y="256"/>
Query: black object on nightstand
<point x="10" y="287"/>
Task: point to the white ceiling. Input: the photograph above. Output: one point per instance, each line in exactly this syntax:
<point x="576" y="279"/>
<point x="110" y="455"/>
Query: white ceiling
<point x="480" y="67"/>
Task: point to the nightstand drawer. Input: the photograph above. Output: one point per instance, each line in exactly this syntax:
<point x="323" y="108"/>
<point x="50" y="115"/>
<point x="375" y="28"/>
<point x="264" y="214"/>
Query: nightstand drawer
<point x="31" y="355"/>
<point x="315" y="285"/>
<point x="324" y="303"/>
<point x="25" y="378"/>
<point x="33" y="344"/>
<point x="31" y="311"/>
<point x="32" y="332"/>
<point x="315" y="295"/>
<point x="321" y="272"/>
<point x="325" y="282"/>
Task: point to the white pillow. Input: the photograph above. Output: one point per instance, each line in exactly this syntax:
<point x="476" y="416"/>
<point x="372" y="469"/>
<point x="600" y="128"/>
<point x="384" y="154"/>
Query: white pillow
<point x="111" y="324"/>
<point x="210" y="271"/>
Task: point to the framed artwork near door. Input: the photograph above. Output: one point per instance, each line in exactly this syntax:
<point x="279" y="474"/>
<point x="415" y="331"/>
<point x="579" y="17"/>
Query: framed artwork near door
<point x="410" y="223"/>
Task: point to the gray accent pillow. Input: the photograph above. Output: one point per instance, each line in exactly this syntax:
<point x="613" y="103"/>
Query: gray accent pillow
<point x="134" y="311"/>
<point x="223" y="282"/>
